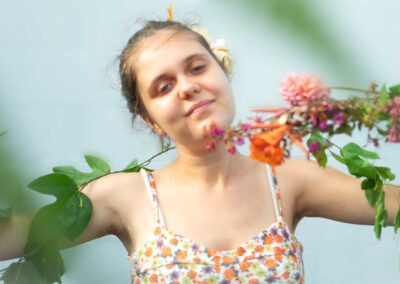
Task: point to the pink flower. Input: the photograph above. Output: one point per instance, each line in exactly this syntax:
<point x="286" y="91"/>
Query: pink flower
<point x="314" y="146"/>
<point x="245" y="126"/>
<point x="394" y="134"/>
<point x="323" y="125"/>
<point x="240" y="141"/>
<point x="339" y="119"/>
<point x="394" y="106"/>
<point x="300" y="89"/>
<point x="232" y="150"/>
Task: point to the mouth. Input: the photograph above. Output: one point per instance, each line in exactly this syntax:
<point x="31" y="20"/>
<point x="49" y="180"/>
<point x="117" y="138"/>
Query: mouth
<point x="199" y="107"/>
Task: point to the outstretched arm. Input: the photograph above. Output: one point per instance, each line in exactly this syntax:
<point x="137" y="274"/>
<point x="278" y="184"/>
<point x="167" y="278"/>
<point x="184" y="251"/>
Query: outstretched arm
<point x="104" y="220"/>
<point x="329" y="193"/>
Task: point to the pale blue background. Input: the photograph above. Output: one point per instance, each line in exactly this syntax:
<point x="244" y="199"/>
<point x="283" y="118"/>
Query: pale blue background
<point x="60" y="100"/>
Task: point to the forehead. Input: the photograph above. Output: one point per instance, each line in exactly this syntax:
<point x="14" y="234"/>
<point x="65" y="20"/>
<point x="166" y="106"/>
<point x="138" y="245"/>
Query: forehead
<point x="164" y="51"/>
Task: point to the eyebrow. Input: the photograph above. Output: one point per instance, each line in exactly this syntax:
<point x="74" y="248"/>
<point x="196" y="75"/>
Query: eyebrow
<point x="184" y="61"/>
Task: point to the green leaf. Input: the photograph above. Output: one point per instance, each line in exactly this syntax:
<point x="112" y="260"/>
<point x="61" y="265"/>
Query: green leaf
<point x="359" y="168"/>
<point x="22" y="273"/>
<point x="394" y="91"/>
<point x="78" y="177"/>
<point x="321" y="157"/>
<point x="44" y="227"/>
<point x="99" y="168"/>
<point x="338" y="157"/>
<point x="382" y="131"/>
<point x="385" y="173"/>
<point x="51" y="263"/>
<point x="59" y="185"/>
<point x="368" y="184"/>
<point x="132" y="166"/>
<point x="316" y="136"/>
<point x="378" y="185"/>
<point x="372" y="196"/>
<point x="75" y="215"/>
<point x="5" y="213"/>
<point x="377" y="229"/>
<point x="381" y="215"/>
<point x="396" y="222"/>
<point x="345" y="128"/>
<point x="97" y="164"/>
<point x="352" y="150"/>
<point x="383" y="95"/>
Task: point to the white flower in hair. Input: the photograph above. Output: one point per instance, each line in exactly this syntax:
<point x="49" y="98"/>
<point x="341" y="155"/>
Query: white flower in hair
<point x="218" y="47"/>
<point x="219" y="44"/>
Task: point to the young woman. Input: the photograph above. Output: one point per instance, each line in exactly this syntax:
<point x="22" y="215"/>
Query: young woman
<point x="208" y="217"/>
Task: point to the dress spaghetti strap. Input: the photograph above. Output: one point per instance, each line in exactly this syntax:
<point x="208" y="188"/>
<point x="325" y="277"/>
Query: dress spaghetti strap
<point x="276" y="196"/>
<point x="152" y="192"/>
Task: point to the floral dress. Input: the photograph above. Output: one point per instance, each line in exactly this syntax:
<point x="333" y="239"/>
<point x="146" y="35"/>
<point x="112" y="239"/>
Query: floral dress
<point x="274" y="255"/>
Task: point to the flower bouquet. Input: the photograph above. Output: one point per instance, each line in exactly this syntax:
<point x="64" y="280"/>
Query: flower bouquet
<point x="314" y="114"/>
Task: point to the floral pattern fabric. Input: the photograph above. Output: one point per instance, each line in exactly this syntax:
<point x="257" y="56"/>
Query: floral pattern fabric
<point x="274" y="255"/>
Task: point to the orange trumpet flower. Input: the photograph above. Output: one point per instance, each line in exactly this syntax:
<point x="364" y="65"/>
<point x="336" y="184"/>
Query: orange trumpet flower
<point x="265" y="146"/>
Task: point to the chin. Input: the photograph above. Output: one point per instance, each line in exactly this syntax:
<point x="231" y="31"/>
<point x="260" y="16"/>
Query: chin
<point x="222" y="122"/>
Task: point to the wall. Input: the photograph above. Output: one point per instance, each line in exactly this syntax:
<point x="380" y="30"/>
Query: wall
<point x="60" y="100"/>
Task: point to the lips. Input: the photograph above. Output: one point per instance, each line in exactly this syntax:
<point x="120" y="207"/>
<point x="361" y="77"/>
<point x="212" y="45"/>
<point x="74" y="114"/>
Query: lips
<point x="198" y="105"/>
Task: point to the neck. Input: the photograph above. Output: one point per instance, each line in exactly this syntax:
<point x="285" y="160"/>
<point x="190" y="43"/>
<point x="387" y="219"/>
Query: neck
<point x="210" y="170"/>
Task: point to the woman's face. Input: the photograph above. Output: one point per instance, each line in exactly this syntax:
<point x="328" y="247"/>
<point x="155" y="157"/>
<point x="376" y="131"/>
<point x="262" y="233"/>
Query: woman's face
<point x="183" y="87"/>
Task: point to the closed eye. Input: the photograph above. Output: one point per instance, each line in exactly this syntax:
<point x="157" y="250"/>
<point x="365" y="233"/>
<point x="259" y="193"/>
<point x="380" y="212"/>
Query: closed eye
<point x="165" y="88"/>
<point x="198" y="68"/>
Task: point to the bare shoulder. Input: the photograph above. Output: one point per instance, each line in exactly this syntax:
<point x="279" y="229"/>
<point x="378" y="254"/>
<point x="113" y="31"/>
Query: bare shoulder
<point x="110" y="187"/>
<point x="111" y="195"/>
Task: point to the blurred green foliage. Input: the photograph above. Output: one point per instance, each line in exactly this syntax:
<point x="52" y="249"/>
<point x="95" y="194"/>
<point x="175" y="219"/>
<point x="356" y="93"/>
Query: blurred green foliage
<point x="303" y="23"/>
<point x="13" y="191"/>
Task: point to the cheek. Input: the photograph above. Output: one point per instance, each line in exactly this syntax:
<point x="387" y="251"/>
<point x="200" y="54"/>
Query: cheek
<point x="165" y="111"/>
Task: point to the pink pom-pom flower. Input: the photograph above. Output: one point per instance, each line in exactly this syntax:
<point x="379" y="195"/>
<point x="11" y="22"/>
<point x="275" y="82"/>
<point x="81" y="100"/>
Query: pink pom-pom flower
<point x="300" y="89"/>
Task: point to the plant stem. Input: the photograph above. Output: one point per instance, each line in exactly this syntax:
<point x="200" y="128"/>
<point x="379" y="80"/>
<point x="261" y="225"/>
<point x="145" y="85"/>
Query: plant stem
<point x="145" y="163"/>
<point x="333" y="144"/>
<point x="354" y="90"/>
<point x="156" y="155"/>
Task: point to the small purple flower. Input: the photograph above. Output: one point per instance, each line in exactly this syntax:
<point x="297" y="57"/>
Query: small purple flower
<point x="207" y="269"/>
<point x="245" y="126"/>
<point x="285" y="234"/>
<point x="339" y="118"/>
<point x="323" y="125"/>
<point x="195" y="247"/>
<point x="218" y="132"/>
<point x="274" y="231"/>
<point x="314" y="146"/>
<point x="160" y="243"/>
<point x="240" y="141"/>
<point x="270" y="279"/>
<point x="174" y="275"/>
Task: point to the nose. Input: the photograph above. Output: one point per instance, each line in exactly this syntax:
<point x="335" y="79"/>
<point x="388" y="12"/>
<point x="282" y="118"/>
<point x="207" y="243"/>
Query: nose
<point x="188" y="88"/>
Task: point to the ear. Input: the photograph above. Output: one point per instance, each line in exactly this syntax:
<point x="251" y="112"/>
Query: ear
<point x="159" y="130"/>
<point x="155" y="127"/>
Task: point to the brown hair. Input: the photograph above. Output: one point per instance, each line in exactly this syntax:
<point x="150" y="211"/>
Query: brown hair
<point x="129" y="86"/>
